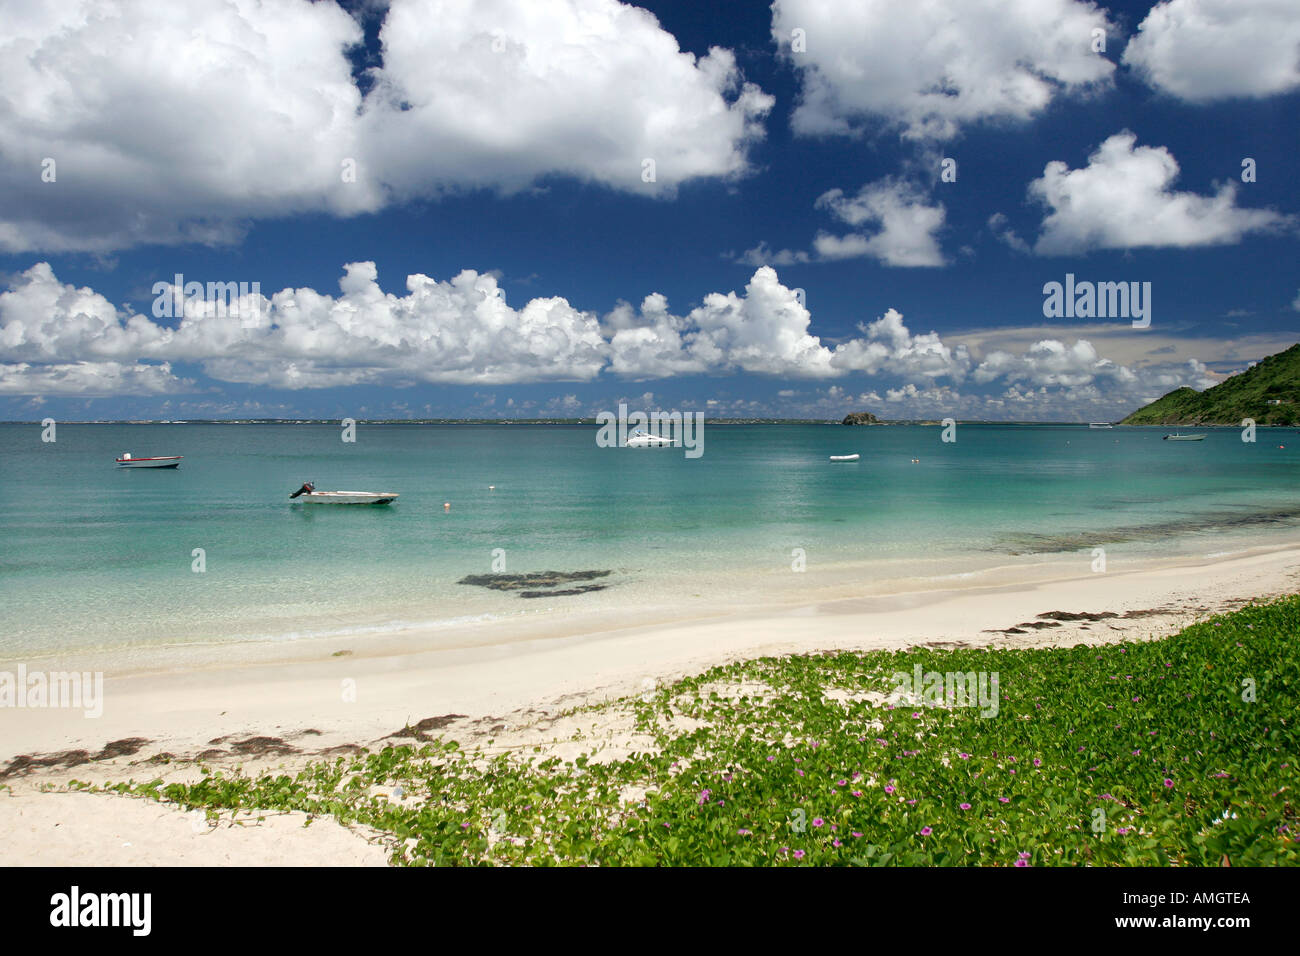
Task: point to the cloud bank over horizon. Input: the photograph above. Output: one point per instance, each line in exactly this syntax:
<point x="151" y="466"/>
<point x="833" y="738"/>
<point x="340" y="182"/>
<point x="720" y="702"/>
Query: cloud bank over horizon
<point x="60" y="340"/>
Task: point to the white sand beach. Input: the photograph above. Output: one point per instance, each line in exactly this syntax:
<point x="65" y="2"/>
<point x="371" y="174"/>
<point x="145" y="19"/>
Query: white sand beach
<point x="330" y="696"/>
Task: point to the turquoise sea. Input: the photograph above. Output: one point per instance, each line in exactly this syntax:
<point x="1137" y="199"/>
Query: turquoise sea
<point x="95" y="557"/>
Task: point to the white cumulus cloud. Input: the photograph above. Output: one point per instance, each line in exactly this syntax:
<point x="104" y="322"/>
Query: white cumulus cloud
<point x="458" y="331"/>
<point x="1202" y="50"/>
<point x="889" y="346"/>
<point x="764" y="331"/>
<point x="498" y="92"/>
<point x="127" y="122"/>
<point x="906" y="225"/>
<point x="1124" y="199"/>
<point x="930" y="66"/>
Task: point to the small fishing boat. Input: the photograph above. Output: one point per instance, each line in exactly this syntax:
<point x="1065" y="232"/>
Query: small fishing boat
<point x="845" y="457"/>
<point x="1178" y="437"/>
<point x="308" y="494"/>
<point x="643" y="439"/>
<point x="169" y="461"/>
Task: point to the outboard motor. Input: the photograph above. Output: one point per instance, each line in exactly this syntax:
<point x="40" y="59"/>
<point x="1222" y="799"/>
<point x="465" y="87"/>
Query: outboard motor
<point x="307" y="488"/>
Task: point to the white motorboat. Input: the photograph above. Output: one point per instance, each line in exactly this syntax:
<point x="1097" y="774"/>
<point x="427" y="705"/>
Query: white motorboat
<point x="308" y="494"/>
<point x="845" y="457"/>
<point x="168" y="461"/>
<point x="1100" y="425"/>
<point x="643" y="439"/>
<point x="1177" y="437"/>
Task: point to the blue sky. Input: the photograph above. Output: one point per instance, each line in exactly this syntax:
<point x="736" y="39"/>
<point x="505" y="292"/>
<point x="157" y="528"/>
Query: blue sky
<point x="806" y="256"/>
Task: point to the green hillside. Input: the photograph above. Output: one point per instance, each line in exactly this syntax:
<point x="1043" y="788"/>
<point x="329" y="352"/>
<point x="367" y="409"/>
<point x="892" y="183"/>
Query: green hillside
<point x="1269" y="393"/>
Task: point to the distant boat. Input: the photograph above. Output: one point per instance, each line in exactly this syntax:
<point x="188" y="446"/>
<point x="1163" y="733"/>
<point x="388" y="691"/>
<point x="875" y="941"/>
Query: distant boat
<point x="126" y="461"/>
<point x="308" y="494"/>
<point x="1100" y="425"/>
<point x="1177" y="437"/>
<point x="845" y="457"/>
<point x="643" y="439"/>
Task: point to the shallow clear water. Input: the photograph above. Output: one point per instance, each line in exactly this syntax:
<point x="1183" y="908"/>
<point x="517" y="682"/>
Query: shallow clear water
<point x="95" y="556"/>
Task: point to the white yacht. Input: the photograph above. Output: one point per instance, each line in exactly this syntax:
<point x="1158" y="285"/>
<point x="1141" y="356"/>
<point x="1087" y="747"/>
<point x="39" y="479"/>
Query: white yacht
<point x="641" y="438"/>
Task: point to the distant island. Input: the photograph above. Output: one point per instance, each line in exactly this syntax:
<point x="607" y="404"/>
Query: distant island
<point x="861" y="418"/>
<point x="1268" y="392"/>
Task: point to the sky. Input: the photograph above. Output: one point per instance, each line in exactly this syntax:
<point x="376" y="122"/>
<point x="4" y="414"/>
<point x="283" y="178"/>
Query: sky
<point x="543" y="208"/>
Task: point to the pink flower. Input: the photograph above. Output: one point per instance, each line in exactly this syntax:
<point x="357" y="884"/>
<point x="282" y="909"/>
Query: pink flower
<point x="743" y="832"/>
<point x="1004" y="799"/>
<point x="798" y="854"/>
<point x="964" y="806"/>
<point x="1168" y="782"/>
<point x="1037" y="762"/>
<point x="857" y="793"/>
<point x="926" y="831"/>
<point x="964" y="756"/>
<point x="889" y="788"/>
<point x="818" y="822"/>
<point x="856" y="833"/>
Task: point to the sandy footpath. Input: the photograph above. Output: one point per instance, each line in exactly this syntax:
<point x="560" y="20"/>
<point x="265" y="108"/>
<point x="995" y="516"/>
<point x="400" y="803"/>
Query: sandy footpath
<point x="260" y="716"/>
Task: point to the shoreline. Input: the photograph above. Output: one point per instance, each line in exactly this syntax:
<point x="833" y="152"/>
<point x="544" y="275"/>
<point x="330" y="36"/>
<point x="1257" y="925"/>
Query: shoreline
<point x="400" y="678"/>
<point x="768" y="588"/>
